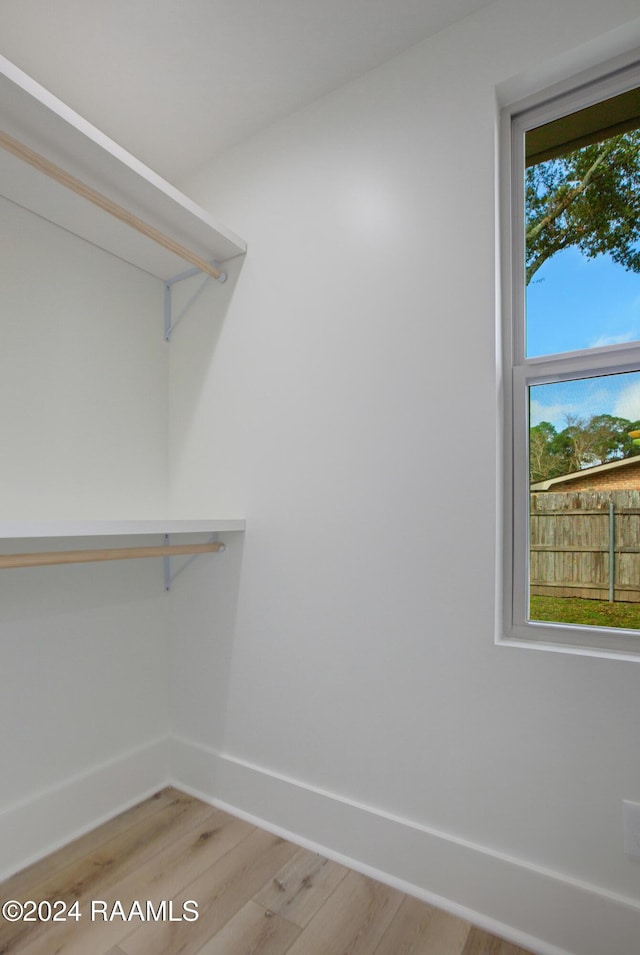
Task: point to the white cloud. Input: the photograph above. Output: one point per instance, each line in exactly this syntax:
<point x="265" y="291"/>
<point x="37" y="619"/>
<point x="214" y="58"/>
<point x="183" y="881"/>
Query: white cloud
<point x="603" y="340"/>
<point x="554" y="414"/>
<point x="627" y="404"/>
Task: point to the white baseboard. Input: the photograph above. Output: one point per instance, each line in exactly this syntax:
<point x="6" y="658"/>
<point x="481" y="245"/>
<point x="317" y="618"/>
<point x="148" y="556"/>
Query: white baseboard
<point x="540" y="910"/>
<point x="35" y="827"/>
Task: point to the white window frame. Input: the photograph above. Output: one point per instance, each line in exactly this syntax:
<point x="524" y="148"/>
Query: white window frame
<point x="520" y="372"/>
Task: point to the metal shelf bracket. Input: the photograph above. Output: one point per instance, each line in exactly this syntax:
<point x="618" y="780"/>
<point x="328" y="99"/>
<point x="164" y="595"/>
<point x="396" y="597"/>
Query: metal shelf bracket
<point x="170" y="322"/>
<point x="166" y="561"/>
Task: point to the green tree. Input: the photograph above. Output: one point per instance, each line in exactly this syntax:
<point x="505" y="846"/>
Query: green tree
<point x="589" y="198"/>
<point x="540" y="459"/>
<point x="610" y="438"/>
<point x="550" y="452"/>
<point x="583" y="442"/>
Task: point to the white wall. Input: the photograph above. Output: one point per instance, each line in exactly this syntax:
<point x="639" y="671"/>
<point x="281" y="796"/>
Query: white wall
<point x="84" y="424"/>
<point x="84" y="378"/>
<point x="347" y="405"/>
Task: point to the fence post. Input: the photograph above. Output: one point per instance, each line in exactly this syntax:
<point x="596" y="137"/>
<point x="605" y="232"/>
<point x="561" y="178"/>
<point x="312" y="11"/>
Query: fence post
<point x="612" y="553"/>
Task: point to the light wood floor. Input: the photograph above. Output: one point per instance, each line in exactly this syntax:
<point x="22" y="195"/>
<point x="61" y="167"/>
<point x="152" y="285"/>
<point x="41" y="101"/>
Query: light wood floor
<point x="256" y="894"/>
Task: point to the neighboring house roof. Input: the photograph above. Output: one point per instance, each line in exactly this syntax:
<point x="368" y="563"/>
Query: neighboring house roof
<point x="586" y="473"/>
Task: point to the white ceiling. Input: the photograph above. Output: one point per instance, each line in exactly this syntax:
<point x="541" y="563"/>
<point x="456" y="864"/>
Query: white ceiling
<point x="177" y="81"/>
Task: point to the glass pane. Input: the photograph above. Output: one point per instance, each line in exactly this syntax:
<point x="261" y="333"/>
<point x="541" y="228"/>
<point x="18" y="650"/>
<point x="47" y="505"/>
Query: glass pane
<point x="584" y="469"/>
<point x="582" y="224"/>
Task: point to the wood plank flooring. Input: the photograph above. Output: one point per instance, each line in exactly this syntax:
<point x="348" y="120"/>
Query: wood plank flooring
<point x="139" y="880"/>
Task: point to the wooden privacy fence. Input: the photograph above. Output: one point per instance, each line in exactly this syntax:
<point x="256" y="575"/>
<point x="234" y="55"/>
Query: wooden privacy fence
<point x="585" y="544"/>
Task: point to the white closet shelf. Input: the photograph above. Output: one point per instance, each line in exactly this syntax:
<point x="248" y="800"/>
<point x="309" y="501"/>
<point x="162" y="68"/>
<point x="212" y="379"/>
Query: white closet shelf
<point x="33" y="530"/>
<point x="46" y="126"/>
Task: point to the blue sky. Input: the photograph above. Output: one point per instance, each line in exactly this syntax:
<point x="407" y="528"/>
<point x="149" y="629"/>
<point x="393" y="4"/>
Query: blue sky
<point x="574" y="303"/>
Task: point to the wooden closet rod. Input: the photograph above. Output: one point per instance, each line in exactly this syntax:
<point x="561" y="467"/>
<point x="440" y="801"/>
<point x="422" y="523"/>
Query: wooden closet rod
<point x="111" y="553"/>
<point x="107" y="205"/>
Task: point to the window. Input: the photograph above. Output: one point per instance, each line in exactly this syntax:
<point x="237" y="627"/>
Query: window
<point x="572" y="343"/>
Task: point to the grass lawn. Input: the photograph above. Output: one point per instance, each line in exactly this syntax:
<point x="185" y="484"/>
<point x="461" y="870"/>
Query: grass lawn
<point x="589" y="613"/>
